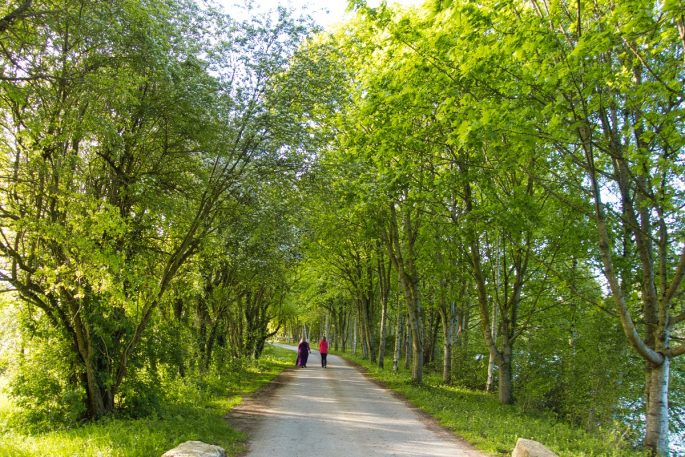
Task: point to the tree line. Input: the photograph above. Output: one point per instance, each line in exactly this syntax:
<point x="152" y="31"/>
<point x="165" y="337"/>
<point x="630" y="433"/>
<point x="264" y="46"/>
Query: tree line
<point x="504" y="180"/>
<point x="145" y="147"/>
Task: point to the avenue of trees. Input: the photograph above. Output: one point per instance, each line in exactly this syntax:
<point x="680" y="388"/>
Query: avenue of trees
<point x="490" y="191"/>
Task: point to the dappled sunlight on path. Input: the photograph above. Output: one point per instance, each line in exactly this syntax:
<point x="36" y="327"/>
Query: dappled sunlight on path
<point x="336" y="411"/>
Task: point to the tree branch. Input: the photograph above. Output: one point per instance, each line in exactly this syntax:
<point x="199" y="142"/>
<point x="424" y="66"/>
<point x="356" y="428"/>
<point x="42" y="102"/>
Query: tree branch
<point x="18" y="13"/>
<point x="680" y="23"/>
<point x="651" y="71"/>
<point x="672" y="353"/>
<point x="677" y="280"/>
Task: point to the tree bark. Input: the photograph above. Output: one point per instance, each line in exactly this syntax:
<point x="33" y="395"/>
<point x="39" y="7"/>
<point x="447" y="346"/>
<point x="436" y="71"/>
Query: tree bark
<point x="384" y="288"/>
<point x="656" y="436"/>
<point x="490" y="384"/>
<point x="381" y="343"/>
<point x="447" y="318"/>
<point x="506" y="384"/>
<point x="399" y="341"/>
<point x="403" y="256"/>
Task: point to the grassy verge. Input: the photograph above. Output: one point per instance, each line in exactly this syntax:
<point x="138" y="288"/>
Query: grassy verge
<point x="191" y="412"/>
<point x="491" y="427"/>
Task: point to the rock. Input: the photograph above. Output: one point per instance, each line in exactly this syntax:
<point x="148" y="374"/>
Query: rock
<point x="195" y="449"/>
<point x="530" y="448"/>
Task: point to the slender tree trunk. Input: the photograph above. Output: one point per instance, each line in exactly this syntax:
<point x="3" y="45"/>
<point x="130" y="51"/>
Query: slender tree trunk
<point x="399" y="340"/>
<point x="354" y="337"/>
<point x="209" y="347"/>
<point x="381" y="343"/>
<point x="415" y="325"/>
<point x="407" y="346"/>
<point x="654" y="349"/>
<point x="367" y="328"/>
<point x="384" y="286"/>
<point x="403" y="255"/>
<point x="463" y="336"/>
<point x="431" y="332"/>
<point x="446" y="315"/>
<point x="490" y="384"/>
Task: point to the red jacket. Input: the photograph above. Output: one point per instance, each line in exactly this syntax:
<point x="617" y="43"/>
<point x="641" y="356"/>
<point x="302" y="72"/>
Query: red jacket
<point x="323" y="347"/>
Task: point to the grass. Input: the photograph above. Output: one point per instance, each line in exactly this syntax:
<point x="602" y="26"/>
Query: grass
<point x="189" y="414"/>
<point x="481" y="420"/>
<point x="193" y="413"/>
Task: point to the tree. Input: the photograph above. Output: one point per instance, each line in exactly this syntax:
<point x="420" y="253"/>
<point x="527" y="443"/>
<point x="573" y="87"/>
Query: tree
<point x="118" y="149"/>
<point x="605" y="94"/>
<point x="621" y="102"/>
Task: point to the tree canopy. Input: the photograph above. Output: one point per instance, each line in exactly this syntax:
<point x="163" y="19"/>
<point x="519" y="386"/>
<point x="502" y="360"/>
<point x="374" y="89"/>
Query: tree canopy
<point x="491" y="190"/>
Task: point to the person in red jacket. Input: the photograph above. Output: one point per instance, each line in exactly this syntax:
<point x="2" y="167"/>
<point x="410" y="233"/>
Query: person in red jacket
<point x="323" y="350"/>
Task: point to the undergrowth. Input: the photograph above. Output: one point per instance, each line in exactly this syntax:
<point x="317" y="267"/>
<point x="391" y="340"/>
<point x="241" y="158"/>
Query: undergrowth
<point x="192" y="409"/>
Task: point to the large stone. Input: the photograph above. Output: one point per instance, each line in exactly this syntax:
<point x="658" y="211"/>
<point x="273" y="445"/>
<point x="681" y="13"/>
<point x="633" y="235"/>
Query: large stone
<point x="195" y="449"/>
<point x="530" y="448"/>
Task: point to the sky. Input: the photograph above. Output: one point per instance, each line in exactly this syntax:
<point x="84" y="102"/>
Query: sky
<point x="325" y="12"/>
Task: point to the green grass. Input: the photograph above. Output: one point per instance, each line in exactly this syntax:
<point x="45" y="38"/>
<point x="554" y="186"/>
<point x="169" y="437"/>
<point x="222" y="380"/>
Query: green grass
<point x="190" y="413"/>
<point x="491" y="427"/>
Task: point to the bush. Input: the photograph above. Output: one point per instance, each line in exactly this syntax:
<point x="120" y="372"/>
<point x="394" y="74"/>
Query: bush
<point x="44" y="386"/>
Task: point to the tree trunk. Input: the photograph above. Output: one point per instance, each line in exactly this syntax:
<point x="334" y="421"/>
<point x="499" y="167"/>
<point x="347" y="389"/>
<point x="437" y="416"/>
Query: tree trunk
<point x="446" y="315"/>
<point x="490" y="384"/>
<point x="417" y="351"/>
<point x="95" y="399"/>
<point x="354" y="337"/>
<point x="381" y="343"/>
<point x="399" y="340"/>
<point x="99" y="399"/>
<point x="407" y="346"/>
<point x="464" y="316"/>
<point x="431" y="332"/>
<point x="656" y="437"/>
<point x="367" y="329"/>
<point x="506" y="384"/>
<point x="327" y="326"/>
<point x="402" y="253"/>
<point x="384" y="286"/>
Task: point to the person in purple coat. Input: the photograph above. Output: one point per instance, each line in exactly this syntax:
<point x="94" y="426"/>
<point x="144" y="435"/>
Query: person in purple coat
<point x="303" y="352"/>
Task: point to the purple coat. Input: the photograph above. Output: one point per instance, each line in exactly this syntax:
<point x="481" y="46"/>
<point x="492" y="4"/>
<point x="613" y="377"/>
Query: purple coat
<point x="302" y="354"/>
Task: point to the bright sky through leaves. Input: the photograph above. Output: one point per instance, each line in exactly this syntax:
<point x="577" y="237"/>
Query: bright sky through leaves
<point x="324" y="12"/>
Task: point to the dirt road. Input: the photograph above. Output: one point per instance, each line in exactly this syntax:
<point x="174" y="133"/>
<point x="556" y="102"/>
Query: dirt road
<point x="336" y="411"/>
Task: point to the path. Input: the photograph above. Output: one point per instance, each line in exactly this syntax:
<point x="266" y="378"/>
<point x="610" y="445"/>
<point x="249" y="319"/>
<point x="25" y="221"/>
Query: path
<point x="336" y="411"/>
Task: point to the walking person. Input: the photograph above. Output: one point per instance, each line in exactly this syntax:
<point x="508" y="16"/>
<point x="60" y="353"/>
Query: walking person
<point x="303" y="351"/>
<point x="323" y="350"/>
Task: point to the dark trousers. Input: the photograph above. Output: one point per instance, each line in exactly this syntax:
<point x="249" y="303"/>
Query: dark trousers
<point x="323" y="360"/>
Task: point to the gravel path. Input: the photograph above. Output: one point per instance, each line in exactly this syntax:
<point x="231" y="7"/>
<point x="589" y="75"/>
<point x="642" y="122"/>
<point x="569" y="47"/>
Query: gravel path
<point x="336" y="411"/>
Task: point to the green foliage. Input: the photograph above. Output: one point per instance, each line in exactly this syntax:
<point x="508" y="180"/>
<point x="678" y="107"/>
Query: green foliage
<point x="193" y="409"/>
<point x="580" y="370"/>
<point x="39" y="370"/>
<point x="520" y="133"/>
<point x="137" y="137"/>
<point x="176" y="186"/>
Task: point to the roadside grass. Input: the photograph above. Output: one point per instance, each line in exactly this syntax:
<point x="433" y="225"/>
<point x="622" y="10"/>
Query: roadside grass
<point x="481" y="420"/>
<point x="190" y="412"/>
